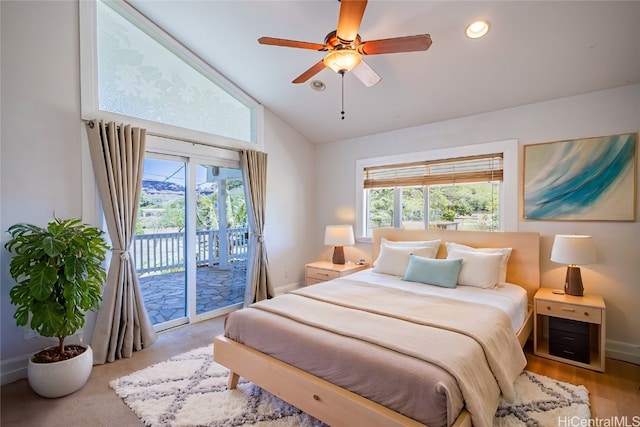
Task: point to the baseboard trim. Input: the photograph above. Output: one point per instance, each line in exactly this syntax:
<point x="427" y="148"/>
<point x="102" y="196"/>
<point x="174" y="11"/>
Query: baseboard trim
<point x="287" y="288"/>
<point x="623" y="351"/>
<point x="14" y="369"/>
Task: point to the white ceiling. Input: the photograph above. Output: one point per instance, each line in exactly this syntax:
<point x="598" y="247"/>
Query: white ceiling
<point x="535" y="51"/>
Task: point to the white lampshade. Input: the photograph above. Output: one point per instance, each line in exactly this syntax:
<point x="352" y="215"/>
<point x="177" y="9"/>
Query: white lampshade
<point x="573" y="250"/>
<point x="339" y="235"/>
<point x="342" y="60"/>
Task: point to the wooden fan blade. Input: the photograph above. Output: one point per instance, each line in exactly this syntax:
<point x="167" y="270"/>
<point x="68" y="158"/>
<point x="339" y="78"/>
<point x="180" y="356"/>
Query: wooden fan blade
<point x="366" y="74"/>
<point x="319" y="66"/>
<point x="351" y="12"/>
<point x="291" y="43"/>
<point x="395" y="45"/>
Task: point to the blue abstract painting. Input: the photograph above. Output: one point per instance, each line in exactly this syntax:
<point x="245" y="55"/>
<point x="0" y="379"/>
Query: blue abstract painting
<point x="591" y="179"/>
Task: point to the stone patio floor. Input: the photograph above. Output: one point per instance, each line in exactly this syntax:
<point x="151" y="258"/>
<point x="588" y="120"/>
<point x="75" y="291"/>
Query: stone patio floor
<point x="164" y="294"/>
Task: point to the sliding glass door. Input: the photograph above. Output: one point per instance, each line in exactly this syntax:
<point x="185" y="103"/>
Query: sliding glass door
<point x="190" y="246"/>
<point x="159" y="243"/>
<point x="222" y="238"/>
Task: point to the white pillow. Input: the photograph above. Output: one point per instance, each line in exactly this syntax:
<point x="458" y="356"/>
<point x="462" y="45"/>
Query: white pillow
<point x="394" y="260"/>
<point x="478" y="269"/>
<point x="506" y="253"/>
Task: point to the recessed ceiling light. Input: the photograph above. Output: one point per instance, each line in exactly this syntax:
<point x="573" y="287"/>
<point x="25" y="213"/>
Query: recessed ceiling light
<point x="478" y="28"/>
<point x="317" y="85"/>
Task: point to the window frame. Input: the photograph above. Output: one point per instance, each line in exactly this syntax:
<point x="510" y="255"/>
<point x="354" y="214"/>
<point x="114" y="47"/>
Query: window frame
<point x="508" y="196"/>
<point x="89" y="81"/>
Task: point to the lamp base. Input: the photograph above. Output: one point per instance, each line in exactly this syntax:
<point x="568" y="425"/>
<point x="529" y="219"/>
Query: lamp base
<point x="573" y="282"/>
<point x="338" y="255"/>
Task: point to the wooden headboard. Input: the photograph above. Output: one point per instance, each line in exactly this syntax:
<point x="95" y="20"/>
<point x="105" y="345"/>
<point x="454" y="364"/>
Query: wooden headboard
<point x="524" y="263"/>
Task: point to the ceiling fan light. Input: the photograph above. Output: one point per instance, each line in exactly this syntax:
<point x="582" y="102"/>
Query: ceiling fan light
<point x="342" y="60"/>
<point x="478" y="28"/>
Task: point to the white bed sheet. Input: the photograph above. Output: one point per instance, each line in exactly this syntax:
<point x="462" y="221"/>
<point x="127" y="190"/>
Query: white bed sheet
<point x="510" y="298"/>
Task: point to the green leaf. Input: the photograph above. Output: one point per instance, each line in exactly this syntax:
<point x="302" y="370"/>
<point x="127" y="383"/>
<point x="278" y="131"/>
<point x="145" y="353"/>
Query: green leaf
<point x="21" y="315"/>
<point x="73" y="267"/>
<point x="47" y="319"/>
<point x="20" y="293"/>
<point x="43" y="277"/>
<point x="52" y="246"/>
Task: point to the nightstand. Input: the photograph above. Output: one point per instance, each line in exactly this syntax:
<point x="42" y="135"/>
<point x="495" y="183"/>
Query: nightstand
<point x="570" y="329"/>
<point x="321" y="271"/>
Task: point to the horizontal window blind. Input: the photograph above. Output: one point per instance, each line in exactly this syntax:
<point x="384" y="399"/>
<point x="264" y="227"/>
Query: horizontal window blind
<point x="484" y="168"/>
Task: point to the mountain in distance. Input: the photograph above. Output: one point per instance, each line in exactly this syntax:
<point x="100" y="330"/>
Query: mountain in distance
<point x="152" y="187"/>
<point x="158" y="187"/>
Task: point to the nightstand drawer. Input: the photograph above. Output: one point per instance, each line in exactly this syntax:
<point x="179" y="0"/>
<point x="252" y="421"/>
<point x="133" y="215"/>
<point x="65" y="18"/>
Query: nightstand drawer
<point x="569" y="325"/>
<point x="569" y="311"/>
<point x="320" y="274"/>
<point x="568" y="338"/>
<point x="579" y="354"/>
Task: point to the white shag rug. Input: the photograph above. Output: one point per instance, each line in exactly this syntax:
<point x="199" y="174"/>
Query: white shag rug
<point x="190" y="390"/>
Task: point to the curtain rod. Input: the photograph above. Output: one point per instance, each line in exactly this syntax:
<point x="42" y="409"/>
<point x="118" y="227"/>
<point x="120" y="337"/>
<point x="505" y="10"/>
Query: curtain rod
<point x="191" y="141"/>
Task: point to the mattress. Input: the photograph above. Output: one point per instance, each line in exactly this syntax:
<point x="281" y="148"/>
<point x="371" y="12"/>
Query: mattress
<point x="399" y="380"/>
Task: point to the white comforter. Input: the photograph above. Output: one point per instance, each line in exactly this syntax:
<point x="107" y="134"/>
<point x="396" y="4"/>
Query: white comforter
<point x="510" y="298"/>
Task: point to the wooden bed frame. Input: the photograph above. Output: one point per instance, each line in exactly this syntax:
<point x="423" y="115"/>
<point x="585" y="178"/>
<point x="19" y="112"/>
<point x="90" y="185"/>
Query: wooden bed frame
<point x="337" y="406"/>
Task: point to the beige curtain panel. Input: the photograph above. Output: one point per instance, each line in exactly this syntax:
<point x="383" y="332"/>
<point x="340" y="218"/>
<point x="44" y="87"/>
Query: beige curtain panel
<point x="117" y="155"/>
<point x="254" y="170"/>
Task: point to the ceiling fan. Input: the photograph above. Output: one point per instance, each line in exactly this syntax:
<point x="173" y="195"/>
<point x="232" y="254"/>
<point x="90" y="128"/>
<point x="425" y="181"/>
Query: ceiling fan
<point x="346" y="48"/>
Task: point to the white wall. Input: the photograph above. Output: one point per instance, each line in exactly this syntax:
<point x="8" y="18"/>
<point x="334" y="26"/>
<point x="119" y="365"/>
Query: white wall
<point x="41" y="127"/>
<point x="616" y="275"/>
<point x="42" y="137"/>
<point x="290" y="203"/>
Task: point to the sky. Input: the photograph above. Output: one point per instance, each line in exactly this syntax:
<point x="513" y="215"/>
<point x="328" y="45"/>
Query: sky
<point x="174" y="171"/>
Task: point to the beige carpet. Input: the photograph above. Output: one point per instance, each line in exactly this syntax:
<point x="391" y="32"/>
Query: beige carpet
<point x="190" y="389"/>
<point x="96" y="404"/>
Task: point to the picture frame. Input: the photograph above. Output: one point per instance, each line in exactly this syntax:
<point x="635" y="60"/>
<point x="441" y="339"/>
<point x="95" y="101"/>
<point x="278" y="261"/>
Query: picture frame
<point x="588" y="179"/>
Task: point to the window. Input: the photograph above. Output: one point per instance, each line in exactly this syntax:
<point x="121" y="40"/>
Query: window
<point x="132" y="71"/>
<point x="462" y="192"/>
<point x="190" y="246"/>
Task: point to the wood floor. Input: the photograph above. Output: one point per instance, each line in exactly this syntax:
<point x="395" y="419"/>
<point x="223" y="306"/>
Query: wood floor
<point x="614" y="393"/>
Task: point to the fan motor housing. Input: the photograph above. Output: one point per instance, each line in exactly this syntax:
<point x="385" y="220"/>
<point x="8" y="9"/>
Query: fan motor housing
<point x="333" y="42"/>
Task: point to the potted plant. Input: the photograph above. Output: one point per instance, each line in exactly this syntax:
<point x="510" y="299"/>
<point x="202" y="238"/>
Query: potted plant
<point x="59" y="277"/>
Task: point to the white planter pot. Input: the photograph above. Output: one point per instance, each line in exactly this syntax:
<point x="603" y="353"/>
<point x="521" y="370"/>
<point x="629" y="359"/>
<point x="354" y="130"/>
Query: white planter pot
<point x="60" y="378"/>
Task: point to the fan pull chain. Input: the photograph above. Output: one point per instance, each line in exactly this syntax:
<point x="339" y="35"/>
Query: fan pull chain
<point x="342" y="112"/>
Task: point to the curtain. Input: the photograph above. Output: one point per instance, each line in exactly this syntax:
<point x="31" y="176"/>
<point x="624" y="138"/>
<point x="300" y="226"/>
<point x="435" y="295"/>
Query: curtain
<point x="254" y="171"/>
<point x="117" y="155"/>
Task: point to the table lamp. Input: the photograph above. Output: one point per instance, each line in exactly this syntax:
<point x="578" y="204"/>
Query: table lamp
<point x="338" y="236"/>
<point x="573" y="250"/>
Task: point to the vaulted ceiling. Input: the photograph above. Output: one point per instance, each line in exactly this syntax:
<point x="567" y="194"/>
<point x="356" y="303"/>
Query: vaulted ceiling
<point x="535" y="51"/>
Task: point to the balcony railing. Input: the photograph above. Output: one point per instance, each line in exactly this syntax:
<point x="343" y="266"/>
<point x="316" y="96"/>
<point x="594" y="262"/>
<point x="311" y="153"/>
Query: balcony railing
<point x="165" y="251"/>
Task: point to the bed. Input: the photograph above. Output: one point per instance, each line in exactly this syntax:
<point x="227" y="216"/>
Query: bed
<point x="394" y="382"/>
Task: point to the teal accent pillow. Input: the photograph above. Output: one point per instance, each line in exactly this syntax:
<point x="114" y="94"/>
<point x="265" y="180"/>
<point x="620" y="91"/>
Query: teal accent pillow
<point x="438" y="272"/>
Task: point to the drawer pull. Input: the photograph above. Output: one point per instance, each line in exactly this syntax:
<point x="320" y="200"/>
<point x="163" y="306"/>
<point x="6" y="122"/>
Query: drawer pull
<point x="323" y="274"/>
<point x="572" y="310"/>
<point x="316" y="397"/>
<point x="586" y="313"/>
